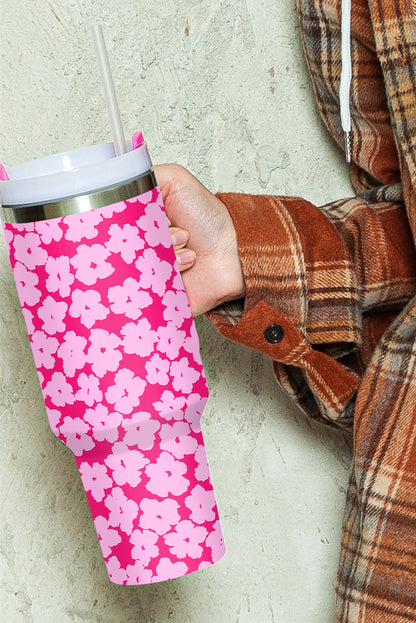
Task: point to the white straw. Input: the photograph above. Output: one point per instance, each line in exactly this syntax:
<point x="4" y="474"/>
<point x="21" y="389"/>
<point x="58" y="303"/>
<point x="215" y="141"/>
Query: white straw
<point x="119" y="140"/>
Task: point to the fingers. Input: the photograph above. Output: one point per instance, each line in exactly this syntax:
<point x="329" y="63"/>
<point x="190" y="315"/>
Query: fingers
<point x="185" y="257"/>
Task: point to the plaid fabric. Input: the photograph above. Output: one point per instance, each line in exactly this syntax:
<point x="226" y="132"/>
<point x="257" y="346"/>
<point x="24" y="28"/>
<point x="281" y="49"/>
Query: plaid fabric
<point x="341" y="281"/>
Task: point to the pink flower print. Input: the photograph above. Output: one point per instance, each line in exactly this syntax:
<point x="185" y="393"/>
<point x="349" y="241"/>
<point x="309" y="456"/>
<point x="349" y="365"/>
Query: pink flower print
<point x="154" y="271"/>
<point x="59" y="391"/>
<point x="107" y="536"/>
<point x="186" y="539"/>
<point x="193" y="411"/>
<point x="168" y="570"/>
<point x="60" y="277"/>
<point x="41" y="378"/>
<point x="215" y="541"/>
<point x="49" y="230"/>
<point x="170" y="340"/>
<point x="126" y="465"/>
<point x="141" y="431"/>
<point x="103" y="354"/>
<point x="95" y="479"/>
<point x="43" y="349"/>
<point x="201" y="503"/>
<point x="52" y="313"/>
<point x="90" y="263"/>
<point x="104" y="424"/>
<point x="176" y="440"/>
<point x="157" y="370"/>
<point x="27" y="250"/>
<point x="88" y="307"/>
<point x="122" y="510"/>
<point x="158" y="515"/>
<point x="170" y="406"/>
<point x="25" y="285"/>
<point x="82" y="225"/>
<point x="115" y="572"/>
<point x="54" y="417"/>
<point x="166" y="476"/>
<point x="155" y="226"/>
<point x="177" y="282"/>
<point x="71" y="351"/>
<point x="191" y="343"/>
<point x="129" y="299"/>
<point x="76" y="432"/>
<point x="144" y="546"/>
<point x="89" y="389"/>
<point x="28" y="316"/>
<point x="177" y="307"/>
<point x="139" y="338"/>
<point x="124" y="240"/>
<point x="137" y="574"/>
<point x="126" y="391"/>
<point x="8" y="235"/>
<point x="108" y="211"/>
<point x="202" y="471"/>
<point x="183" y="375"/>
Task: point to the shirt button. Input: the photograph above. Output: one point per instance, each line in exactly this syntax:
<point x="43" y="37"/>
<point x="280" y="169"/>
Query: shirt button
<point x="274" y="333"/>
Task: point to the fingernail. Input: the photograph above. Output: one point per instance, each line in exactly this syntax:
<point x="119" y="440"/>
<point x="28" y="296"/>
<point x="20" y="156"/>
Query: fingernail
<point x="186" y="257"/>
<point x="179" y="237"/>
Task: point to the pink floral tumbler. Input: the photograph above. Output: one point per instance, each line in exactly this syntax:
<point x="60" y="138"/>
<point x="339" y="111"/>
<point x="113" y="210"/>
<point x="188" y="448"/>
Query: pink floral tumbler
<point x="117" y="354"/>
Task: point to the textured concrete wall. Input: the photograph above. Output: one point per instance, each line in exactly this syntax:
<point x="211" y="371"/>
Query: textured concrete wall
<point x="221" y="87"/>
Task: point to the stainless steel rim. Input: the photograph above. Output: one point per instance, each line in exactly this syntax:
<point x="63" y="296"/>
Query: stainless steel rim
<point x="82" y="203"/>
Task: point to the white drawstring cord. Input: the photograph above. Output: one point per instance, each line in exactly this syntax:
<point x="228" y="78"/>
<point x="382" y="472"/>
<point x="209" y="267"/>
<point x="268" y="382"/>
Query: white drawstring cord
<point x="346" y="75"/>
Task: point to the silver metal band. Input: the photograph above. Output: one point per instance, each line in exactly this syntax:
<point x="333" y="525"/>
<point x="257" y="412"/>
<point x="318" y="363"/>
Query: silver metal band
<point x="82" y="203"/>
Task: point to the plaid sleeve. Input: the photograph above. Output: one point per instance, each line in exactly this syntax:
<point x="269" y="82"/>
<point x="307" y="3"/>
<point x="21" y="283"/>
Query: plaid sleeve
<point x="328" y="277"/>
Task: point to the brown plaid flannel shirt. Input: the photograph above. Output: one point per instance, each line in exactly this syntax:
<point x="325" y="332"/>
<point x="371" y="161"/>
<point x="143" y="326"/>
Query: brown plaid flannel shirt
<point x="341" y="282"/>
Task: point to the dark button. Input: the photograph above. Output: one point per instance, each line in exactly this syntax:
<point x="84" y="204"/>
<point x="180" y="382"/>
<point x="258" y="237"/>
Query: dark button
<point x="274" y="333"/>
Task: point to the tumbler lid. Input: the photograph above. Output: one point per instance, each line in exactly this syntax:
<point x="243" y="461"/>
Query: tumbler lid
<point x="69" y="174"/>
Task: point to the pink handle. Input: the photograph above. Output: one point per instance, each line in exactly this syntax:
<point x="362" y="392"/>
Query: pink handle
<point x="117" y="355"/>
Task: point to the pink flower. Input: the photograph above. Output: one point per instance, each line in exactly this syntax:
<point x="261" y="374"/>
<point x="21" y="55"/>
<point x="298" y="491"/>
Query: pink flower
<point x="202" y="471"/>
<point x="144" y="546"/>
<point x="183" y="375"/>
<point x="177" y="307"/>
<point x="89" y="389"/>
<point x="137" y="574"/>
<point x="139" y="338"/>
<point x="126" y="391"/>
<point x="104" y="425"/>
<point x="170" y="406"/>
<point x="49" y="230"/>
<point x="107" y="536"/>
<point x="157" y="515"/>
<point x="82" y="225"/>
<point x="43" y="349"/>
<point x="126" y="465"/>
<point x="8" y="235"/>
<point x="124" y="240"/>
<point x="194" y="409"/>
<point x="155" y="226"/>
<point x="129" y="299"/>
<point x="191" y="344"/>
<point x="28" y="316"/>
<point x="167" y="570"/>
<point x="157" y="370"/>
<point x="215" y="542"/>
<point x="52" y="313"/>
<point x="90" y="263"/>
<point x="170" y="340"/>
<point x="201" y="503"/>
<point x="95" y="479"/>
<point x="154" y="271"/>
<point x="87" y="306"/>
<point x="25" y="284"/>
<point x="103" y="354"/>
<point x="186" y="539"/>
<point x="59" y="391"/>
<point x="71" y="351"/>
<point x="122" y="510"/>
<point x="27" y="250"/>
<point x="166" y="476"/>
<point x="115" y="572"/>
<point x="176" y="439"/>
<point x="60" y="277"/>
<point x="141" y="431"/>
<point x="108" y="211"/>
<point x="54" y="417"/>
<point x="76" y="432"/>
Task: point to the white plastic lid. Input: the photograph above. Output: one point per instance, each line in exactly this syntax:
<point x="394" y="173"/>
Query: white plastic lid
<point x="78" y="172"/>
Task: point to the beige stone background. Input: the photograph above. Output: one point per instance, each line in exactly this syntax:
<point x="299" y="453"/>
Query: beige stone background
<point x="221" y="87"/>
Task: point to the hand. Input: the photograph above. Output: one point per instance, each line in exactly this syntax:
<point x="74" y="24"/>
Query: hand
<point x="204" y="240"/>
